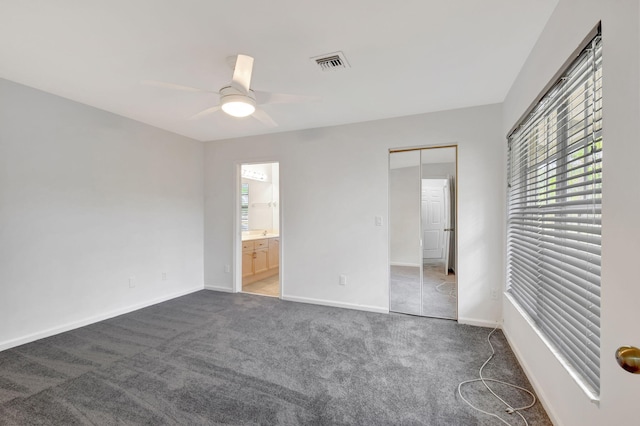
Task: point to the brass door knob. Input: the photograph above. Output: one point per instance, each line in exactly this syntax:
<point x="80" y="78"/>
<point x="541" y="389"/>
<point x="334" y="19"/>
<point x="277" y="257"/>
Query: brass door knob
<point x="628" y="357"/>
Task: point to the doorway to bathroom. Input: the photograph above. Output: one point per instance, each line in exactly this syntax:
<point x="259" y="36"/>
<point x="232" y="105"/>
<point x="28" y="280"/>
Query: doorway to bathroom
<point x="260" y="229"/>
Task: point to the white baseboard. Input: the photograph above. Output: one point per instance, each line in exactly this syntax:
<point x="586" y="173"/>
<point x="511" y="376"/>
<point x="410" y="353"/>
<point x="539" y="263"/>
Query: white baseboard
<point x="218" y="288"/>
<point x="416" y="265"/>
<point x="478" y="322"/>
<point x="334" y="304"/>
<point x="97" y="318"/>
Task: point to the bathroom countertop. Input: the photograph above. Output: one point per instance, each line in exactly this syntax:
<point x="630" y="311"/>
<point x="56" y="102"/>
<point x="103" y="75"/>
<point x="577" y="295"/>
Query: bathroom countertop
<point x="258" y="237"/>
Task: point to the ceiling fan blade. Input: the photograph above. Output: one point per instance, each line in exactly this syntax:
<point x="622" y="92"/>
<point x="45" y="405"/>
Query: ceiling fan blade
<point x="264" y="118"/>
<point x="242" y="72"/>
<point x="205" y="112"/>
<point x="173" y="86"/>
<point x="263" y="98"/>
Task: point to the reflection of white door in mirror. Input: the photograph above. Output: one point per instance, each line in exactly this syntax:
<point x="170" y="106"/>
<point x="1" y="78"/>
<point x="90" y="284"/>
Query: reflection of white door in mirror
<point x="433" y="218"/>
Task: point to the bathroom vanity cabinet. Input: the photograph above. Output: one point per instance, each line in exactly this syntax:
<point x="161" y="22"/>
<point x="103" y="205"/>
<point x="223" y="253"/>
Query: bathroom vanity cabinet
<point x="260" y="259"/>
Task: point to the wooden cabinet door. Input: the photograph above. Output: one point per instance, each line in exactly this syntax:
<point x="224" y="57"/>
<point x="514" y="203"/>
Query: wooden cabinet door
<point x="274" y="253"/>
<point x="247" y="263"/>
<point x="260" y="260"/>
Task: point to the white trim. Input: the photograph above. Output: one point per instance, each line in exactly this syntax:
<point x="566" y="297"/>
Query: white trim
<point x="416" y="265"/>
<point x="91" y="320"/>
<point x="236" y="277"/>
<point x="479" y="322"/>
<point x="225" y="289"/>
<point x="542" y="397"/>
<point x="334" y="304"/>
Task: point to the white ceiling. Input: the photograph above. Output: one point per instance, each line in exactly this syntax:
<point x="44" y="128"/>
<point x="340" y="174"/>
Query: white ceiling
<point x="407" y="57"/>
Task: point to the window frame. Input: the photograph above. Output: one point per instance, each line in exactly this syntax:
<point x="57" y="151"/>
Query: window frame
<point x="555" y="104"/>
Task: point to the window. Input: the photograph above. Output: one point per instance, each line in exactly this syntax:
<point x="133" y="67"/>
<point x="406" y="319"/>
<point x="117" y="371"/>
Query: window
<point x="554" y="216"/>
<point x="244" y="207"/>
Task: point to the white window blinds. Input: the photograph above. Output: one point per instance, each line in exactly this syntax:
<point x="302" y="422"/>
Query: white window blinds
<point x="554" y="216"/>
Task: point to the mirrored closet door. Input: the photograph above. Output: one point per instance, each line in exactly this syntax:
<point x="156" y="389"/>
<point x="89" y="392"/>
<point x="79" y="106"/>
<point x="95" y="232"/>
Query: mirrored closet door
<point x="422" y="218"/>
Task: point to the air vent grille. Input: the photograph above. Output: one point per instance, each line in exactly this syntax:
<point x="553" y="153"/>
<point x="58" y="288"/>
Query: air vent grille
<point x="331" y="61"/>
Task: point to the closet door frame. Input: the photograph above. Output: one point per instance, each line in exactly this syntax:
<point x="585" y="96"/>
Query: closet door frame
<point x="454" y="219"/>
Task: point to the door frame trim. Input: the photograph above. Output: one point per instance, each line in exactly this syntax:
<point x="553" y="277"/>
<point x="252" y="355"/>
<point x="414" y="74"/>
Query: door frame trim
<point x="237" y="237"/>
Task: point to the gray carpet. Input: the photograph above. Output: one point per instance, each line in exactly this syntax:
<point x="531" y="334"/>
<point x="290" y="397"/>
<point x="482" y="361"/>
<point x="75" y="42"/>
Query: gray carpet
<point x="439" y="298"/>
<point x="216" y="358"/>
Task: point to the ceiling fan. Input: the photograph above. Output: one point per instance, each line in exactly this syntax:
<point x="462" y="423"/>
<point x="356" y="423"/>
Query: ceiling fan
<point x="237" y="98"/>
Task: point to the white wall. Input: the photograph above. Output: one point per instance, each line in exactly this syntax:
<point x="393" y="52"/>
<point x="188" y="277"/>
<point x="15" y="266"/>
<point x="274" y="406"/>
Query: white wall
<point x="87" y="200"/>
<point x="404" y="215"/>
<point x="334" y="181"/>
<point x="569" y="24"/>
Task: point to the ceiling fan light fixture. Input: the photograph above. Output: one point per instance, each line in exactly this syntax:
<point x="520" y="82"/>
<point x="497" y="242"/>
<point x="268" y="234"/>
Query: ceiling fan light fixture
<point x="237" y="105"/>
<point x="238" y="108"/>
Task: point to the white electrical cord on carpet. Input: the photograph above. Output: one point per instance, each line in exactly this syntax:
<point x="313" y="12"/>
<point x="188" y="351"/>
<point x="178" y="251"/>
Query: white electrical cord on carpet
<point x="484" y="381"/>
